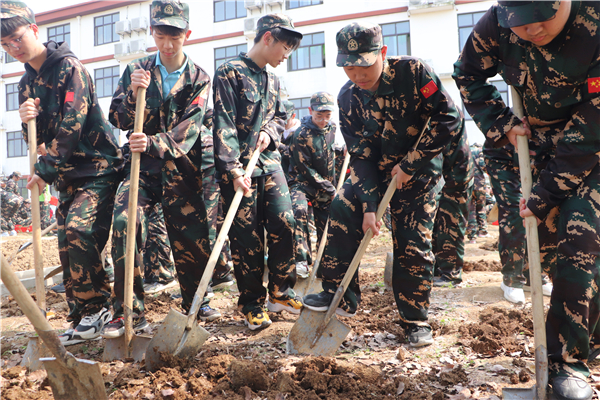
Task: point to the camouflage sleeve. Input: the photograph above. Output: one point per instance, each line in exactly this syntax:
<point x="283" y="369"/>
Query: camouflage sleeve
<point x="24" y="87"/>
<point x="303" y="159"/>
<point x="364" y="155"/>
<point x="76" y="98"/>
<point x="122" y="108"/>
<point x="577" y="153"/>
<point x="225" y="139"/>
<point x="181" y="139"/>
<point x="445" y="124"/>
<point x="477" y="62"/>
<point x="275" y="127"/>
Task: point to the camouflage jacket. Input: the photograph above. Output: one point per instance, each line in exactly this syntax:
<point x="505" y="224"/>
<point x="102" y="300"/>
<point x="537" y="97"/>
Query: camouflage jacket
<point x="380" y="129"/>
<point x="11" y="186"/>
<point x="312" y="159"/>
<point x="479" y="164"/>
<point x="208" y="153"/>
<point x="556" y="83"/>
<point x="78" y="138"/>
<point x="458" y="167"/>
<point x="173" y="125"/>
<point x="247" y="102"/>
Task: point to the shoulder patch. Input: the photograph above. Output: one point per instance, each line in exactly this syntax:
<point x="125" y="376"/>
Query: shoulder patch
<point x="593" y="85"/>
<point x="198" y="101"/>
<point x="429" y="89"/>
<point x="69" y="97"/>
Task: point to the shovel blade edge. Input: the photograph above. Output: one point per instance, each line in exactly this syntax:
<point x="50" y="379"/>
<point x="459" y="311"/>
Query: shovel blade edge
<point x="304" y="331"/>
<point x="81" y="381"/>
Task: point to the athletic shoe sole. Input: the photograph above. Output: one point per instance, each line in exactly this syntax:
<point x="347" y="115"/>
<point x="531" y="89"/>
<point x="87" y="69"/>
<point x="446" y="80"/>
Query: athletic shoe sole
<point x="343" y="313"/>
<point x="112" y="334"/>
<point x="278" y="307"/>
<point x="421" y="343"/>
<point x="252" y="327"/>
<point x="316" y="308"/>
<point x="222" y="285"/>
<point x="161" y="287"/>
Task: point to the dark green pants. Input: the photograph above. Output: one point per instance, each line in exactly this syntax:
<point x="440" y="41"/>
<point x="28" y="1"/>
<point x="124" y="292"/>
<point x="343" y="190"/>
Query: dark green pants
<point x="301" y="214"/>
<point x="158" y="266"/>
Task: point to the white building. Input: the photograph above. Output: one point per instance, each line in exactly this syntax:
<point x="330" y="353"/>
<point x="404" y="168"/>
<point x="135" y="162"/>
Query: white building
<point x="106" y="35"/>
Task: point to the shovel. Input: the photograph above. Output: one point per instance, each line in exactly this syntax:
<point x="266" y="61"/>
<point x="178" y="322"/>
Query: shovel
<point x="130" y="345"/>
<point x="321" y="334"/>
<point x="537" y="392"/>
<point x="27" y="244"/>
<point x="179" y="334"/>
<point x="69" y="377"/>
<point x="313" y="274"/>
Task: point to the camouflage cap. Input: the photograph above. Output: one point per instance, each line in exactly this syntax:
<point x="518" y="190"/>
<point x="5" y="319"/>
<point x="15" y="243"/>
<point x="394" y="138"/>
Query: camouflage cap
<point x="289" y="108"/>
<point x="271" y="21"/>
<point x="170" y="12"/>
<point x="11" y="9"/>
<point x="517" y="13"/>
<point x="16" y="173"/>
<point x="358" y="44"/>
<point x="321" y="101"/>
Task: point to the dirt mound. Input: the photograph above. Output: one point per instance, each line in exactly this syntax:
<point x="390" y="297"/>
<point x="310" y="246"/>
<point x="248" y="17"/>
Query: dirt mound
<point x="493" y="246"/>
<point x="10" y="308"/>
<point x="483" y="265"/>
<point x="158" y="306"/>
<point x="499" y="330"/>
<point x="24" y="260"/>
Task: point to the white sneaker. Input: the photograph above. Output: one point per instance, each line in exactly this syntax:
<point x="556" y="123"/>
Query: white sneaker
<point x="155" y="287"/>
<point x="13" y="233"/>
<point x="514" y="295"/>
<point x="90" y="326"/>
<point x="302" y="269"/>
<point x="546" y="289"/>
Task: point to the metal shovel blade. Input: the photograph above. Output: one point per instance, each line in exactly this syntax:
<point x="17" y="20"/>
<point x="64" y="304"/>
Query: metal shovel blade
<point x="36" y="349"/>
<point x="519" y="393"/>
<point x="81" y="380"/>
<point x="116" y="349"/>
<point x="304" y="331"/>
<point x="172" y="336"/>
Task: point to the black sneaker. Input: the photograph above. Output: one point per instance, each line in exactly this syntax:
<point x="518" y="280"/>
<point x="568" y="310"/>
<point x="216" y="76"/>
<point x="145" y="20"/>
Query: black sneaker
<point x="318" y="302"/>
<point x="116" y="327"/>
<point x="90" y="326"/>
<point x="60" y="288"/>
<point x="444" y="281"/>
<point x="419" y="335"/>
<point x="223" y="282"/>
<point x="207" y="313"/>
<point x="69" y="338"/>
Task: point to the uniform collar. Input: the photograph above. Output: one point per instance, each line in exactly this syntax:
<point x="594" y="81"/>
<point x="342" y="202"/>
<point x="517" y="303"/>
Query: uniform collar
<point x="251" y="64"/>
<point x="164" y="69"/>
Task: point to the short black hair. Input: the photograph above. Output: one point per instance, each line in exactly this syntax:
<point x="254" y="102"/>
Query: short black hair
<point x="10" y="25"/>
<point x="283" y="35"/>
<point x="170" y="30"/>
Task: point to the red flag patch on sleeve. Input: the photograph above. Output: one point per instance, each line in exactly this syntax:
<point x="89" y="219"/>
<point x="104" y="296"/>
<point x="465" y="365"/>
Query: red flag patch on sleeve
<point x="198" y="101"/>
<point x="429" y="89"/>
<point x="594" y="85"/>
<point x="69" y="96"/>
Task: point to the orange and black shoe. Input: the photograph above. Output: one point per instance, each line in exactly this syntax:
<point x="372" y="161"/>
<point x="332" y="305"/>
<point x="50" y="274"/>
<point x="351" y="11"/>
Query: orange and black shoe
<point x="257" y="319"/>
<point x="293" y="306"/>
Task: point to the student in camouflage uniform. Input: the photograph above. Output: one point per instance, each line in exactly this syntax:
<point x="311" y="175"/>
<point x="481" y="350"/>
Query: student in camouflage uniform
<point x="477" y="217"/>
<point x="82" y="160"/>
<point x="23" y="217"/>
<point x="453" y="208"/>
<point x="291" y="125"/>
<point x="312" y="174"/>
<point x="249" y="117"/>
<point x="159" y="269"/>
<point x="550" y="53"/>
<point x="45" y="196"/>
<point x="11" y="203"/>
<point x="11" y="183"/>
<point x="171" y="156"/>
<point x="383" y="109"/>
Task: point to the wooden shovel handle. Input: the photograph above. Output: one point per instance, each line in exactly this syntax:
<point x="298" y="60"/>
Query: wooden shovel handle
<point x="218" y="246"/>
<point x="38" y="260"/>
<point x="134" y="185"/>
<point x="313" y="273"/>
<point x="533" y="252"/>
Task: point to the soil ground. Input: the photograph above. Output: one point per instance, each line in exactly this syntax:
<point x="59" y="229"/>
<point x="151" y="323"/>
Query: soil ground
<point x="482" y="344"/>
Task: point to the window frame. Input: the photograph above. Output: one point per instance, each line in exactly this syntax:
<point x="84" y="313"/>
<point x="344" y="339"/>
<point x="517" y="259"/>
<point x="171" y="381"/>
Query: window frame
<point x="8" y="58"/>
<point x="226" y="58"/>
<point x="239" y="6"/>
<point x="22" y="185"/>
<point x="12" y="95"/>
<point x="17" y="137"/>
<point x="471" y="26"/>
<point x="294" y="56"/>
<point x="115" y="80"/>
<point x="114" y="28"/>
<point x="396" y="35"/>
<point x="299" y="110"/>
<point x="64" y="34"/>
<point x="313" y="3"/>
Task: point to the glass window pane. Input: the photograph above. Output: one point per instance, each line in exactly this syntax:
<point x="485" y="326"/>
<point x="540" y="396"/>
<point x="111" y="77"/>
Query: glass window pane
<point x="465" y="20"/>
<point x="402" y="45"/>
<point x="107" y="20"/>
<point x="303" y="58"/>
<point x="230" y="51"/>
<point x="241" y="10"/>
<point x="98" y="21"/>
<point x="59" y="29"/>
<point x="229" y="9"/>
<point x="107" y="34"/>
<point x="242" y="48"/>
<point x="107" y="87"/>
<point x="220" y="53"/>
<point x="219" y="11"/>
<point x="293" y="4"/>
<point x="316" y="56"/>
<point x="99" y="73"/>
<point x="463" y="34"/>
<point x="388" y="29"/>
<point x="390" y="42"/>
<point x="477" y="16"/>
<point x="306" y="40"/>
<point x="68" y="28"/>
<point x="319" y="38"/>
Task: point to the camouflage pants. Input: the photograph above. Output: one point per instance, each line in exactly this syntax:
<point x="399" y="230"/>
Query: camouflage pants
<point x="449" y="231"/>
<point x="413" y="256"/>
<point x="570" y="252"/>
<point x="83" y="217"/>
<point x="9" y="212"/>
<point x="477" y="214"/>
<point x="158" y="266"/>
<point x="24" y="221"/>
<point x="214" y="212"/>
<point x="45" y="220"/>
<point x="266" y="206"/>
<point x="301" y="214"/>
<point x="503" y="168"/>
<point x="187" y="227"/>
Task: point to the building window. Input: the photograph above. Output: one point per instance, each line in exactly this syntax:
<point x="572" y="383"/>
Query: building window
<point x="106" y="80"/>
<point x="229" y="9"/>
<point x="310" y="54"/>
<point x="12" y="96"/>
<point x="8" y="58"/>
<point x="22" y="185"/>
<point x="15" y="145"/>
<point x="396" y="37"/>
<point x="224" y="54"/>
<point x="301" y="107"/>
<point x="302" y="3"/>
<point x="466" y="22"/>
<point x="61" y="33"/>
<point x="104" y="29"/>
